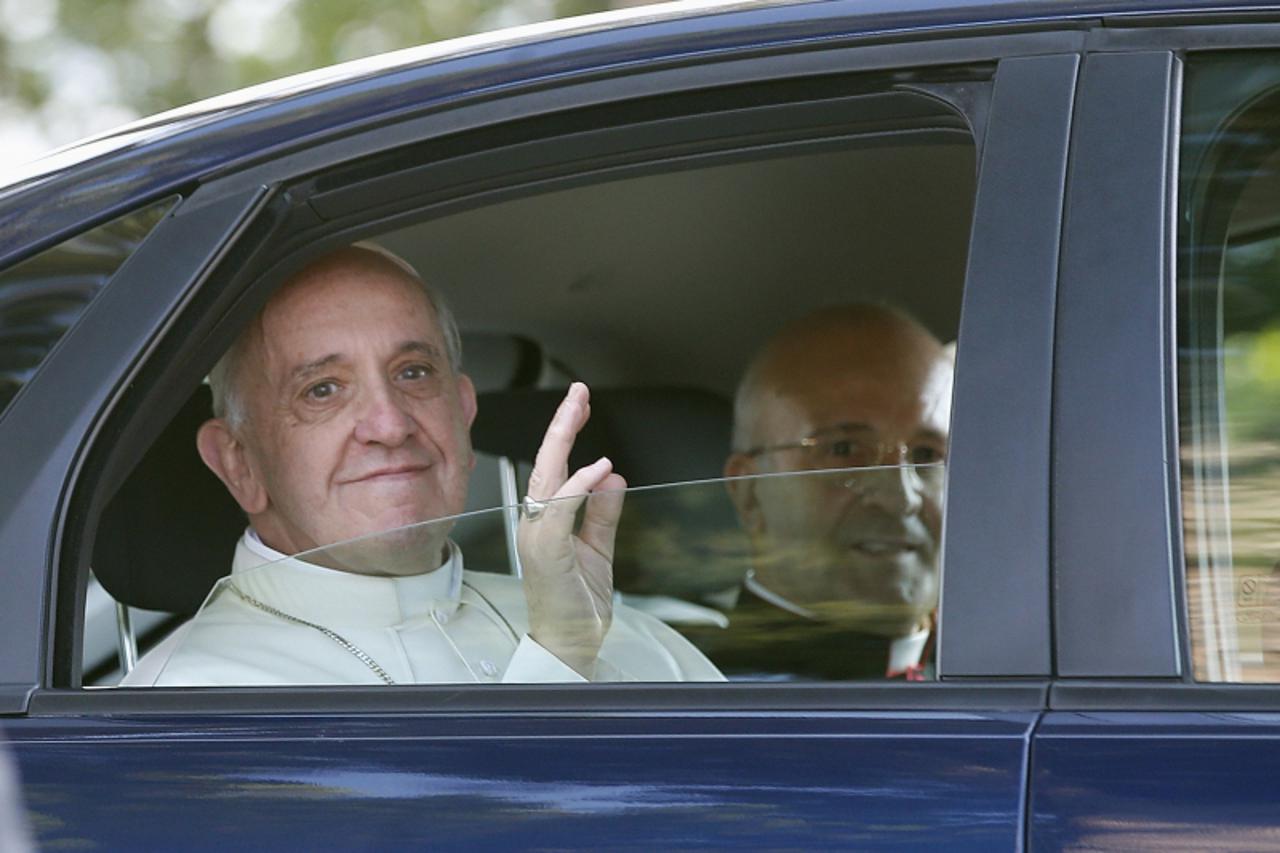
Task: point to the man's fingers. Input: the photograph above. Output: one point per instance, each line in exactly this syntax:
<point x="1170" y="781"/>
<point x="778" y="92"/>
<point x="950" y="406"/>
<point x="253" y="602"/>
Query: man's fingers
<point x="551" y="466"/>
<point x="548" y="540"/>
<point x="586" y="479"/>
<point x="600" y="521"/>
<point x="550" y="535"/>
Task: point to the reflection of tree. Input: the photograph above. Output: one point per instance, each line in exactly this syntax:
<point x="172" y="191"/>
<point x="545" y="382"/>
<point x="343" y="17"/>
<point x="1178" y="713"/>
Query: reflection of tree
<point x="1251" y="420"/>
<point x="681" y="541"/>
<point x="1252" y="385"/>
<point x="74" y="67"/>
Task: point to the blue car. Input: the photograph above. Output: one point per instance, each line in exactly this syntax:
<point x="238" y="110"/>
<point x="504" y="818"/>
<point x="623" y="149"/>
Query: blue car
<point x="1080" y="200"/>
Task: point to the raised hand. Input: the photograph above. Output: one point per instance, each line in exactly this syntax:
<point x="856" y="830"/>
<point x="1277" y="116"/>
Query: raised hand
<point x="568" y="578"/>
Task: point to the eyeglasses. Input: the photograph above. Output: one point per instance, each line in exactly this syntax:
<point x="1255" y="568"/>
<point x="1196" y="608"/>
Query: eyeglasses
<point x="844" y="448"/>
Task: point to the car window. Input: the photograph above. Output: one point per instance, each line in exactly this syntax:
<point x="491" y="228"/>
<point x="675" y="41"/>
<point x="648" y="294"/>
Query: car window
<point x="41" y="297"/>
<point x="408" y="606"/>
<point x="661" y="286"/>
<point x="1229" y="364"/>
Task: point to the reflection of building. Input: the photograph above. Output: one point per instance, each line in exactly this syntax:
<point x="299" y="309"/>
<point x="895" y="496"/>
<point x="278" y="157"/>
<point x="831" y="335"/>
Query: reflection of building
<point x="1233" y="589"/>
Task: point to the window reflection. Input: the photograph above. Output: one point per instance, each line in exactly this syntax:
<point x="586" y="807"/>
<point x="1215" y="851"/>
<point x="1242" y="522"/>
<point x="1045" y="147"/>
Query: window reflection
<point x="716" y="600"/>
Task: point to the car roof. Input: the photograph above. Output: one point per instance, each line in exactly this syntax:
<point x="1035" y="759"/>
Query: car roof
<point x="44" y="201"/>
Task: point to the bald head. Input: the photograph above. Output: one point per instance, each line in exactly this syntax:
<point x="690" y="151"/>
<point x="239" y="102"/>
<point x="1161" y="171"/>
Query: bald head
<point x="857" y="547"/>
<point x="357" y="261"/>
<point x="859" y="348"/>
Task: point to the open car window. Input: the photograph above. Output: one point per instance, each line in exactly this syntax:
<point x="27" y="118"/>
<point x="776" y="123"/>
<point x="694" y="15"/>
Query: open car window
<point x="841" y="592"/>
<point x="655" y="279"/>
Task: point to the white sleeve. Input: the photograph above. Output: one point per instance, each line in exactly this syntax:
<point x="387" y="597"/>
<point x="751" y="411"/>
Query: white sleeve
<point x="533" y="664"/>
<point x="149" y="668"/>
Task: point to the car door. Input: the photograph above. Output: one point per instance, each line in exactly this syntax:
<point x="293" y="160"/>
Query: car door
<point x="640" y="765"/>
<point x="1163" y="728"/>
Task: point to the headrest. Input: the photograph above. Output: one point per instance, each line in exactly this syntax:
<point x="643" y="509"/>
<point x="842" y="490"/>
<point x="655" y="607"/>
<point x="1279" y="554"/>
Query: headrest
<point x="652" y="435"/>
<point x="668" y="542"/>
<point x="170" y="531"/>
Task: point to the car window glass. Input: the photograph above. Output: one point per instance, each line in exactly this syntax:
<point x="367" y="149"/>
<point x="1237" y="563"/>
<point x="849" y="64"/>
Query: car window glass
<point x="43" y="296"/>
<point x="774" y="607"/>
<point x="659" y="288"/>
<point x="1229" y="364"/>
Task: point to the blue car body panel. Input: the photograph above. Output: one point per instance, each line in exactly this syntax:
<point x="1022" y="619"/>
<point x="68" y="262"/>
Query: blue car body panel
<point x="870" y="781"/>
<point x="1155" y="781"/>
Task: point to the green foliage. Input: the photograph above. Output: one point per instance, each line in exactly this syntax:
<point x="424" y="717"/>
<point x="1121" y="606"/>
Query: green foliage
<point x="1251" y="363"/>
<point x="1252" y="380"/>
<point x="73" y="67"/>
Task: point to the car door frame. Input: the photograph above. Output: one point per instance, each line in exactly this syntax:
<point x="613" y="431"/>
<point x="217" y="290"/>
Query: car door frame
<point x="997" y="650"/>
<point x="1132" y="746"/>
<point x="1118" y="554"/>
<point x="982" y="318"/>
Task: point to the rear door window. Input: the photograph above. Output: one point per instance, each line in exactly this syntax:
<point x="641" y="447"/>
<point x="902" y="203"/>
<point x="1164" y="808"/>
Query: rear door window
<point x="1229" y="348"/>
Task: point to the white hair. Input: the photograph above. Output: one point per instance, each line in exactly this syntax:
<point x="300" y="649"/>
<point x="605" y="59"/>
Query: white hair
<point x="228" y="402"/>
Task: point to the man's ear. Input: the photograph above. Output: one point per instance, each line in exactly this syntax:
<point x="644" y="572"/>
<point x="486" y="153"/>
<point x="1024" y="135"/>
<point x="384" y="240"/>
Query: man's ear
<point x="467" y="399"/>
<point x="743" y="492"/>
<point x="225" y="456"/>
<point x="467" y="396"/>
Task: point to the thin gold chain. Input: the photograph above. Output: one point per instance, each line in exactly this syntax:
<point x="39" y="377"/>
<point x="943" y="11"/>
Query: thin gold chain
<point x="356" y="652"/>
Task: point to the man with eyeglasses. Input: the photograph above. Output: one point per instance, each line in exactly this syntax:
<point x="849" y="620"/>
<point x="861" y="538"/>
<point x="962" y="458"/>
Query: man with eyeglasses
<point x="844" y="414"/>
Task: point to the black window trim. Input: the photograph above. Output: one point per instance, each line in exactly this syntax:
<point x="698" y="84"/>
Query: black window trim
<point x="41" y="442"/>
<point x="991" y="696"/>
<point x="793" y="63"/>
<point x="1113" y="520"/>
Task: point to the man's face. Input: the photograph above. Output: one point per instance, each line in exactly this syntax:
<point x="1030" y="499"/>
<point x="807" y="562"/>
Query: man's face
<point x="859" y="547"/>
<point x="356" y="423"/>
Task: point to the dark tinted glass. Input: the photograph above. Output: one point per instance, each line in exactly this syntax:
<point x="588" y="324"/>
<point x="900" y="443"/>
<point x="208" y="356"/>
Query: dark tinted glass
<point x="43" y="296"/>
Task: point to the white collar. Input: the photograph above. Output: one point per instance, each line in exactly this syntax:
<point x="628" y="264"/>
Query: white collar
<point x="904" y="652"/>
<point x="763" y="592"/>
<point x="331" y="597"/>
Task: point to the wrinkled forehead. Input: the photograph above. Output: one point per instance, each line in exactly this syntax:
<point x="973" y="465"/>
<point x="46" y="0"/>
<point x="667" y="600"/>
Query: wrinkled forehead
<point x="333" y="312"/>
<point x="332" y="289"/>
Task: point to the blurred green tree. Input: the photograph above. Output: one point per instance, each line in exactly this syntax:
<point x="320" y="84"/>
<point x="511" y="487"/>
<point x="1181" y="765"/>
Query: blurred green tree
<point x="76" y="67"/>
<point x="1251" y="350"/>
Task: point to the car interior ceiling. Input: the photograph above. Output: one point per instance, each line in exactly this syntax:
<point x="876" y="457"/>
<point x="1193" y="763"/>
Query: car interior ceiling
<point x="667" y="282"/>
<point x="622" y="280"/>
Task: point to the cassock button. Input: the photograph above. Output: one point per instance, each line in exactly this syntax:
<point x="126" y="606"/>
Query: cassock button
<point x="489" y="668"/>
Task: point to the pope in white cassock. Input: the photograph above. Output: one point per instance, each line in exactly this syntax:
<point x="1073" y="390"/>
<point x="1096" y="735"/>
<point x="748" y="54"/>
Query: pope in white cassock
<point x="340" y="413"/>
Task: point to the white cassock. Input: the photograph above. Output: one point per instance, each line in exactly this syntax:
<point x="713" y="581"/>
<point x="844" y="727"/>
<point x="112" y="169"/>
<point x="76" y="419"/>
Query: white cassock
<point x="291" y="622"/>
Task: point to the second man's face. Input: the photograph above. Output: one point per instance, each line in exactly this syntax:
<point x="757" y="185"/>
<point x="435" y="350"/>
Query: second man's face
<point x="357" y="423"/>
<point x="859" y="547"/>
